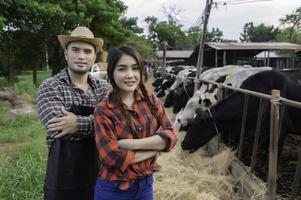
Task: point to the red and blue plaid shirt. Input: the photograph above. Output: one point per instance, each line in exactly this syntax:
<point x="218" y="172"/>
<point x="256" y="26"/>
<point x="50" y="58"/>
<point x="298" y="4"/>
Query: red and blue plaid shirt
<point x="111" y="126"/>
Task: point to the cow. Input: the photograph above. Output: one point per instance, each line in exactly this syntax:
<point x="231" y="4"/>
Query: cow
<point x="181" y="81"/>
<point x="206" y="98"/>
<point x="182" y="95"/>
<point x="227" y="114"/>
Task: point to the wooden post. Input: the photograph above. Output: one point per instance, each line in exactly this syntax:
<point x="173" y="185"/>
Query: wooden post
<point x="297" y="176"/>
<point x="257" y="134"/>
<point x="273" y="147"/>
<point x="243" y="125"/>
<point x="202" y="44"/>
<point x="224" y="58"/>
<point x="293" y="59"/>
<point x="269" y="61"/>
<point x="216" y="58"/>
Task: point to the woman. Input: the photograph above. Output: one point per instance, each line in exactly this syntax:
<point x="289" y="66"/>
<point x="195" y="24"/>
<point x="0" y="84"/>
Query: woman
<point x="131" y="129"/>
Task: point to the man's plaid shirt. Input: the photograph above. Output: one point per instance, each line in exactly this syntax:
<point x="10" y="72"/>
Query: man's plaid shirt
<point x="55" y="93"/>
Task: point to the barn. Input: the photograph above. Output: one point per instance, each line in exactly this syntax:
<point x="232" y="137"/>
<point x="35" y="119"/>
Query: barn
<point x="217" y="54"/>
<point x="175" y="57"/>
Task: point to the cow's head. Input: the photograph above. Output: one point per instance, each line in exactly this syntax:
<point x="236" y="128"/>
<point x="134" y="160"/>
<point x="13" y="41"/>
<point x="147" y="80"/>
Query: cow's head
<point x="181" y="96"/>
<point x="199" y="133"/>
<point x="168" y="102"/>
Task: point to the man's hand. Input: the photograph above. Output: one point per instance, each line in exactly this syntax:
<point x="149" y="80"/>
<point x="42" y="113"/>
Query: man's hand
<point x="65" y="124"/>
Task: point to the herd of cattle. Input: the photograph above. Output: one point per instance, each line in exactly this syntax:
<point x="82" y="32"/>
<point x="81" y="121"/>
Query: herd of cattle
<point x="209" y="108"/>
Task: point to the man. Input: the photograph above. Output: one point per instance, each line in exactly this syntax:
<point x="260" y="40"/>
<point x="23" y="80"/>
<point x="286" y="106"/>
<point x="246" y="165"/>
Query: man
<point x="65" y="105"/>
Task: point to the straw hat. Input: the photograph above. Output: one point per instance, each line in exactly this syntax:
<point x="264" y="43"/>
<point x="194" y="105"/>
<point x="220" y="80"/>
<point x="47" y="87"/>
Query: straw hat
<point x="81" y="34"/>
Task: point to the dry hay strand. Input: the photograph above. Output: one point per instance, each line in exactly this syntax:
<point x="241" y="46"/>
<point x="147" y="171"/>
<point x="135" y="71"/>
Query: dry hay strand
<point x="260" y="192"/>
<point x="185" y="176"/>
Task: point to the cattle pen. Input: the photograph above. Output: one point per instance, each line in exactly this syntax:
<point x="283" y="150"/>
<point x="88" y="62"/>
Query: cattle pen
<point x="277" y="107"/>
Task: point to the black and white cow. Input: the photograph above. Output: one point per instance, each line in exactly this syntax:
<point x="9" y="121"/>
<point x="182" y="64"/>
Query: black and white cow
<point x="205" y="98"/>
<point x="227" y="114"/>
<point x="178" y="88"/>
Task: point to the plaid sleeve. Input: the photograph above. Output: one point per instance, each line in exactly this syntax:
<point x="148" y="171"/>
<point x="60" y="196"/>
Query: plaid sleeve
<point x="106" y="141"/>
<point x="49" y="103"/>
<point x="167" y="130"/>
<point x="84" y="125"/>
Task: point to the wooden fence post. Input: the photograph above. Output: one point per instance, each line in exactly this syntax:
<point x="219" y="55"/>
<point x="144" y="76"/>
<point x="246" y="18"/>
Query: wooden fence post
<point x="297" y="176"/>
<point x="243" y="126"/>
<point x="273" y="147"/>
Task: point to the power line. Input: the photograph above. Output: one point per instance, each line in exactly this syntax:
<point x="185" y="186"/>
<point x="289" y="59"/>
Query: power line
<point x="238" y="2"/>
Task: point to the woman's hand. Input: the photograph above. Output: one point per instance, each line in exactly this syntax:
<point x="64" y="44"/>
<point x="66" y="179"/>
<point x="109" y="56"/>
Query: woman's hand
<point x="129" y="144"/>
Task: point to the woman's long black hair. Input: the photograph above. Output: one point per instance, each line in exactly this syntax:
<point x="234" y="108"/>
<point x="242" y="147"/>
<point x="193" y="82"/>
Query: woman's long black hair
<point x="114" y="56"/>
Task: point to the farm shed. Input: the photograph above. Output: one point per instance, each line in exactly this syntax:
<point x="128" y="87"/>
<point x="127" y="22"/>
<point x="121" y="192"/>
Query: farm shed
<point x="217" y="54"/>
<point x="175" y="57"/>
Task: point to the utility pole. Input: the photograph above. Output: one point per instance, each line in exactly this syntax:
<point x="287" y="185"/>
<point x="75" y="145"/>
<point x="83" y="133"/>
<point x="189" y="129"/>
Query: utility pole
<point x="202" y="43"/>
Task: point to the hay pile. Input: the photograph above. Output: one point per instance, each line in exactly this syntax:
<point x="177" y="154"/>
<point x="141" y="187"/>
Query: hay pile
<point x="186" y="176"/>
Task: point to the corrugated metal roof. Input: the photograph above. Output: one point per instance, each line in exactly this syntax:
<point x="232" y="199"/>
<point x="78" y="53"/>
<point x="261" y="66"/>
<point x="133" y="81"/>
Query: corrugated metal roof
<point x="175" y="54"/>
<point x="272" y="54"/>
<point x="253" y="45"/>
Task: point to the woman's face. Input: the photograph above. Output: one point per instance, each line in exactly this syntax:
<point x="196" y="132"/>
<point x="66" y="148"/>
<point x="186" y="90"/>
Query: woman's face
<point x="127" y="74"/>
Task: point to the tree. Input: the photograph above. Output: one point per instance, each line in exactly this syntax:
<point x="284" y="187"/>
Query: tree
<point x="260" y="33"/>
<point x="172" y="14"/>
<point x="293" y="21"/>
<point x="244" y="36"/>
<point x="32" y="26"/>
<point x="131" y="24"/>
<point x="289" y="35"/>
<point x="142" y="45"/>
<point x="194" y="34"/>
<point x="215" y="35"/>
<point x="170" y="33"/>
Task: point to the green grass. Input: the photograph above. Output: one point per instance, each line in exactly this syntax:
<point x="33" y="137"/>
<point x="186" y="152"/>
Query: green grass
<point x="23" y="151"/>
<point x="24" y="84"/>
<point x="23" y="158"/>
<point x="19" y="129"/>
<point x="22" y="171"/>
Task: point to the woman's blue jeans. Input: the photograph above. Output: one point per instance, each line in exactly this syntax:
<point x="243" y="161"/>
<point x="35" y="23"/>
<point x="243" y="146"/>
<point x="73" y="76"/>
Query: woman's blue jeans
<point x="142" y="189"/>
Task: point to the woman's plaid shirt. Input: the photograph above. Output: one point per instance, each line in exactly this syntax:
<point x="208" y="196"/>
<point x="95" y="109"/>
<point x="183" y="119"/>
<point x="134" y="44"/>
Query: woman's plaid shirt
<point x="55" y="93"/>
<point x="110" y="126"/>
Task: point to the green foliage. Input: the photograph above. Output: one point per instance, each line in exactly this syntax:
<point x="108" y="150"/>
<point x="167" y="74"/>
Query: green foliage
<point x="194" y="34"/>
<point x="168" y="32"/>
<point x="143" y="46"/>
<point x="260" y="33"/>
<point x="289" y="35"/>
<point x="131" y="24"/>
<point x="31" y="26"/>
<point x="2" y="21"/>
<point x="293" y="21"/>
<point x="215" y="35"/>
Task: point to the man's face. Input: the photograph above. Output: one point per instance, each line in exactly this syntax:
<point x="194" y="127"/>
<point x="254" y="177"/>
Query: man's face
<point x="80" y="57"/>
